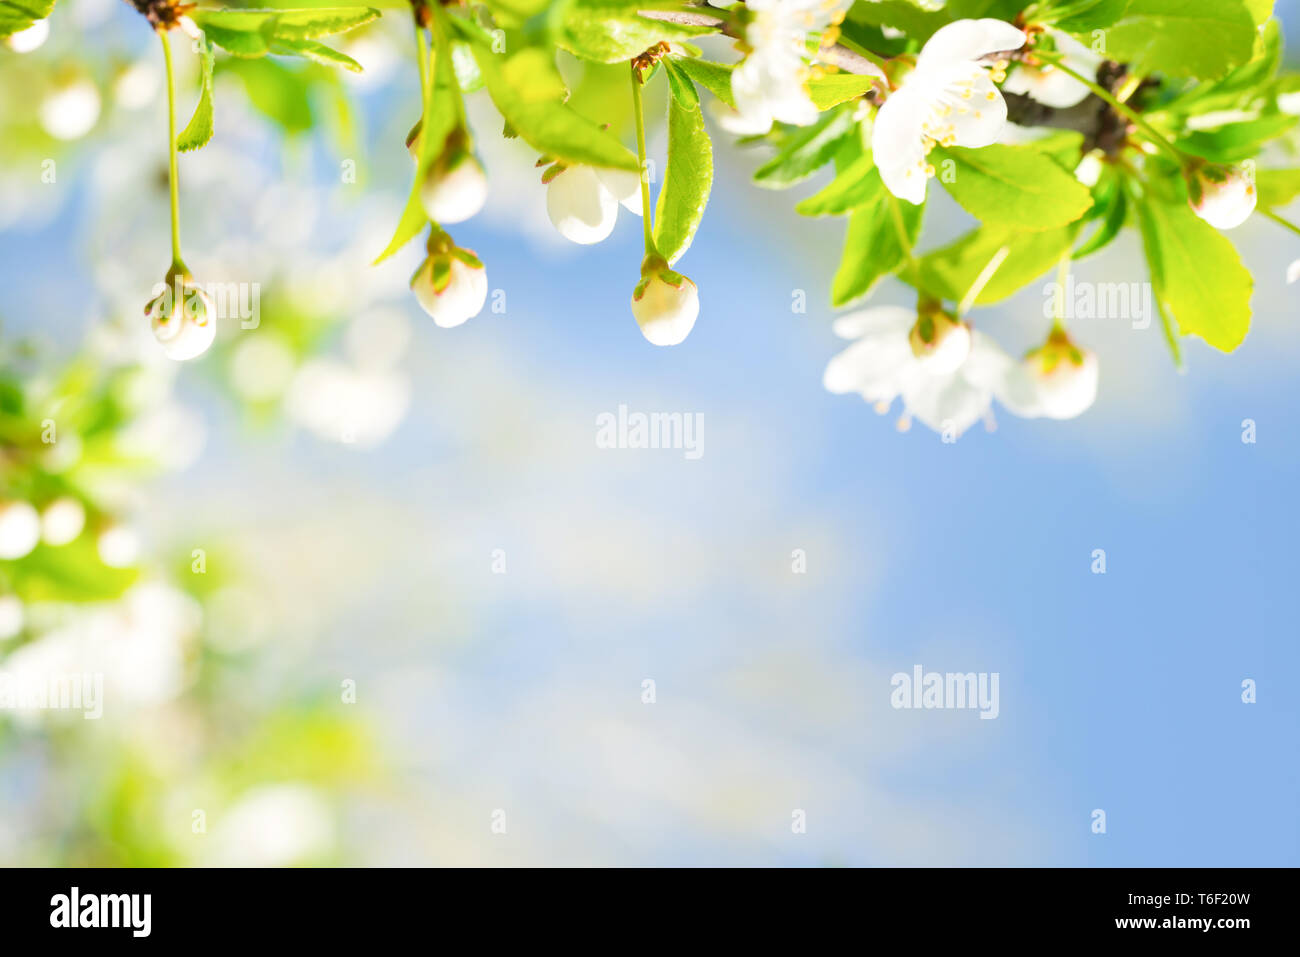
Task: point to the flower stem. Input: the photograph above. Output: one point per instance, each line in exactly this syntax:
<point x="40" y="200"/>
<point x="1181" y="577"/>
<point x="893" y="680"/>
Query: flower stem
<point x="422" y="42"/>
<point x="172" y="179"/>
<point x="1286" y="223"/>
<point x="1062" y="279"/>
<point x="1124" y="110"/>
<point x="639" y="113"/>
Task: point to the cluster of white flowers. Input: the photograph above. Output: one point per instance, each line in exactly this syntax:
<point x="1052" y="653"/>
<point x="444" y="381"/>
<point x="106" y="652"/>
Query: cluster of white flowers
<point x="771" y="84"/>
<point x="947" y="374"/>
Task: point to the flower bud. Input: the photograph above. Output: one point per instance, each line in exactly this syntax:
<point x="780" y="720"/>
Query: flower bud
<point x="665" y="303"/>
<point x="451" y="283"/>
<point x="1063" y="377"/>
<point x="182" y="317"/>
<point x="940" y="343"/>
<point x="580" y="206"/>
<point x="1223" y="196"/>
<point x="455" y="188"/>
<point x="20" y="529"/>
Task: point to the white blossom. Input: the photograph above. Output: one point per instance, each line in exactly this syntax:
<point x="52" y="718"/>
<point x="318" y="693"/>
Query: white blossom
<point x="949" y="99"/>
<point x="582" y="201"/>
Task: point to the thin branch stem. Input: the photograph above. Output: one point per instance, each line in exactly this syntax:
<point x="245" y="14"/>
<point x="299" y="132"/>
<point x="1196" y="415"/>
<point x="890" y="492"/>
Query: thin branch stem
<point x="422" y="42"/>
<point x="1123" y="109"/>
<point x="1281" y="221"/>
<point x="172" y="178"/>
<point x="639" y="113"/>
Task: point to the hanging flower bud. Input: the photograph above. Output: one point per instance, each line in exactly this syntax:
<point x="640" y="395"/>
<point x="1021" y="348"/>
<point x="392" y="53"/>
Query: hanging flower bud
<point x="455" y="188"/>
<point x="939" y="342"/>
<point x="665" y="303"/>
<point x="1223" y="196"/>
<point x="451" y="283"/>
<point x="583" y="201"/>
<point x="182" y="316"/>
<point x="20" y="529"/>
<point x="1057" y="380"/>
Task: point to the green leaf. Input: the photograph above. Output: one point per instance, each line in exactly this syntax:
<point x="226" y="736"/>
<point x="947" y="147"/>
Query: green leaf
<point x="444" y="106"/>
<point x="1196" y="273"/>
<point x="279" y="93"/>
<point x="1115" y="218"/>
<point x="611" y="31"/>
<point x="1022" y="257"/>
<point x="524" y="88"/>
<point x="1238" y="141"/>
<point x="806" y="152"/>
<point x="289" y="24"/>
<point x="315" y="51"/>
<point x="853" y="186"/>
<point x="255" y="33"/>
<point x="1084" y="16"/>
<point x="18" y="15"/>
<point x="683" y="90"/>
<point x="687" y="179"/>
<point x="837" y="88"/>
<point x="199" y="129"/>
<point x="1013" y="186"/>
<point x="903" y="15"/>
<point x="714" y="77"/>
<point x="1200" y="38"/>
<point x="873" y="246"/>
<point x="1277" y="187"/>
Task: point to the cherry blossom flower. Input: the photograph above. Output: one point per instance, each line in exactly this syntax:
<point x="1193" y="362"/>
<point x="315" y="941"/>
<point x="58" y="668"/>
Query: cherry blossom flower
<point x="944" y="371"/>
<point x="1053" y="87"/>
<point x="772" y="82"/>
<point x="451" y="283"/>
<point x="949" y="100"/>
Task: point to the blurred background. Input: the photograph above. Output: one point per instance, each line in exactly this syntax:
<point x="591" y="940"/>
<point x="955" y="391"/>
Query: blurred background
<point x="365" y="591"/>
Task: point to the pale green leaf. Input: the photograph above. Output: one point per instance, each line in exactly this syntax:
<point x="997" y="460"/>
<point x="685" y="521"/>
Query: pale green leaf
<point x="199" y="129"/>
<point x="1196" y="273"/>
<point x="1012" y="186"/>
<point x="1199" y="38"/>
<point x="526" y="89"/>
<point x="687" y="179"/>
<point x="880" y="237"/>
<point x="18" y="15"/>
<point x="611" y="31"/>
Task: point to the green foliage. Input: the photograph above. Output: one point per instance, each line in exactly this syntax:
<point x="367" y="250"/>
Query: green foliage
<point x="199" y="129"/>
<point x="16" y="15"/>
<point x="805" y="151"/>
<point x="856" y="184"/>
<point x="1016" y="186"/>
<point x="1021" y="258"/>
<point x="689" y="175"/>
<point x="1198" y="38"/>
<point x="527" y="89"/>
<point x="1198" y="278"/>
<point x="611" y="31"/>
<point x="879" y="240"/>
<point x="255" y="33"/>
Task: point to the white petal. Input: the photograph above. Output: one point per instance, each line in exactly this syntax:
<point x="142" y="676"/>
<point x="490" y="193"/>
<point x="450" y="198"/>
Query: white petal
<point x="876" y="366"/>
<point x="898" y="147"/>
<point x="948" y="402"/>
<point x="1293" y="272"/>
<point x="968" y="108"/>
<point x="1046" y="85"/>
<point x="666" y="313"/>
<point x="968" y="40"/>
<point x="624" y="185"/>
<point x="580" y="206"/>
